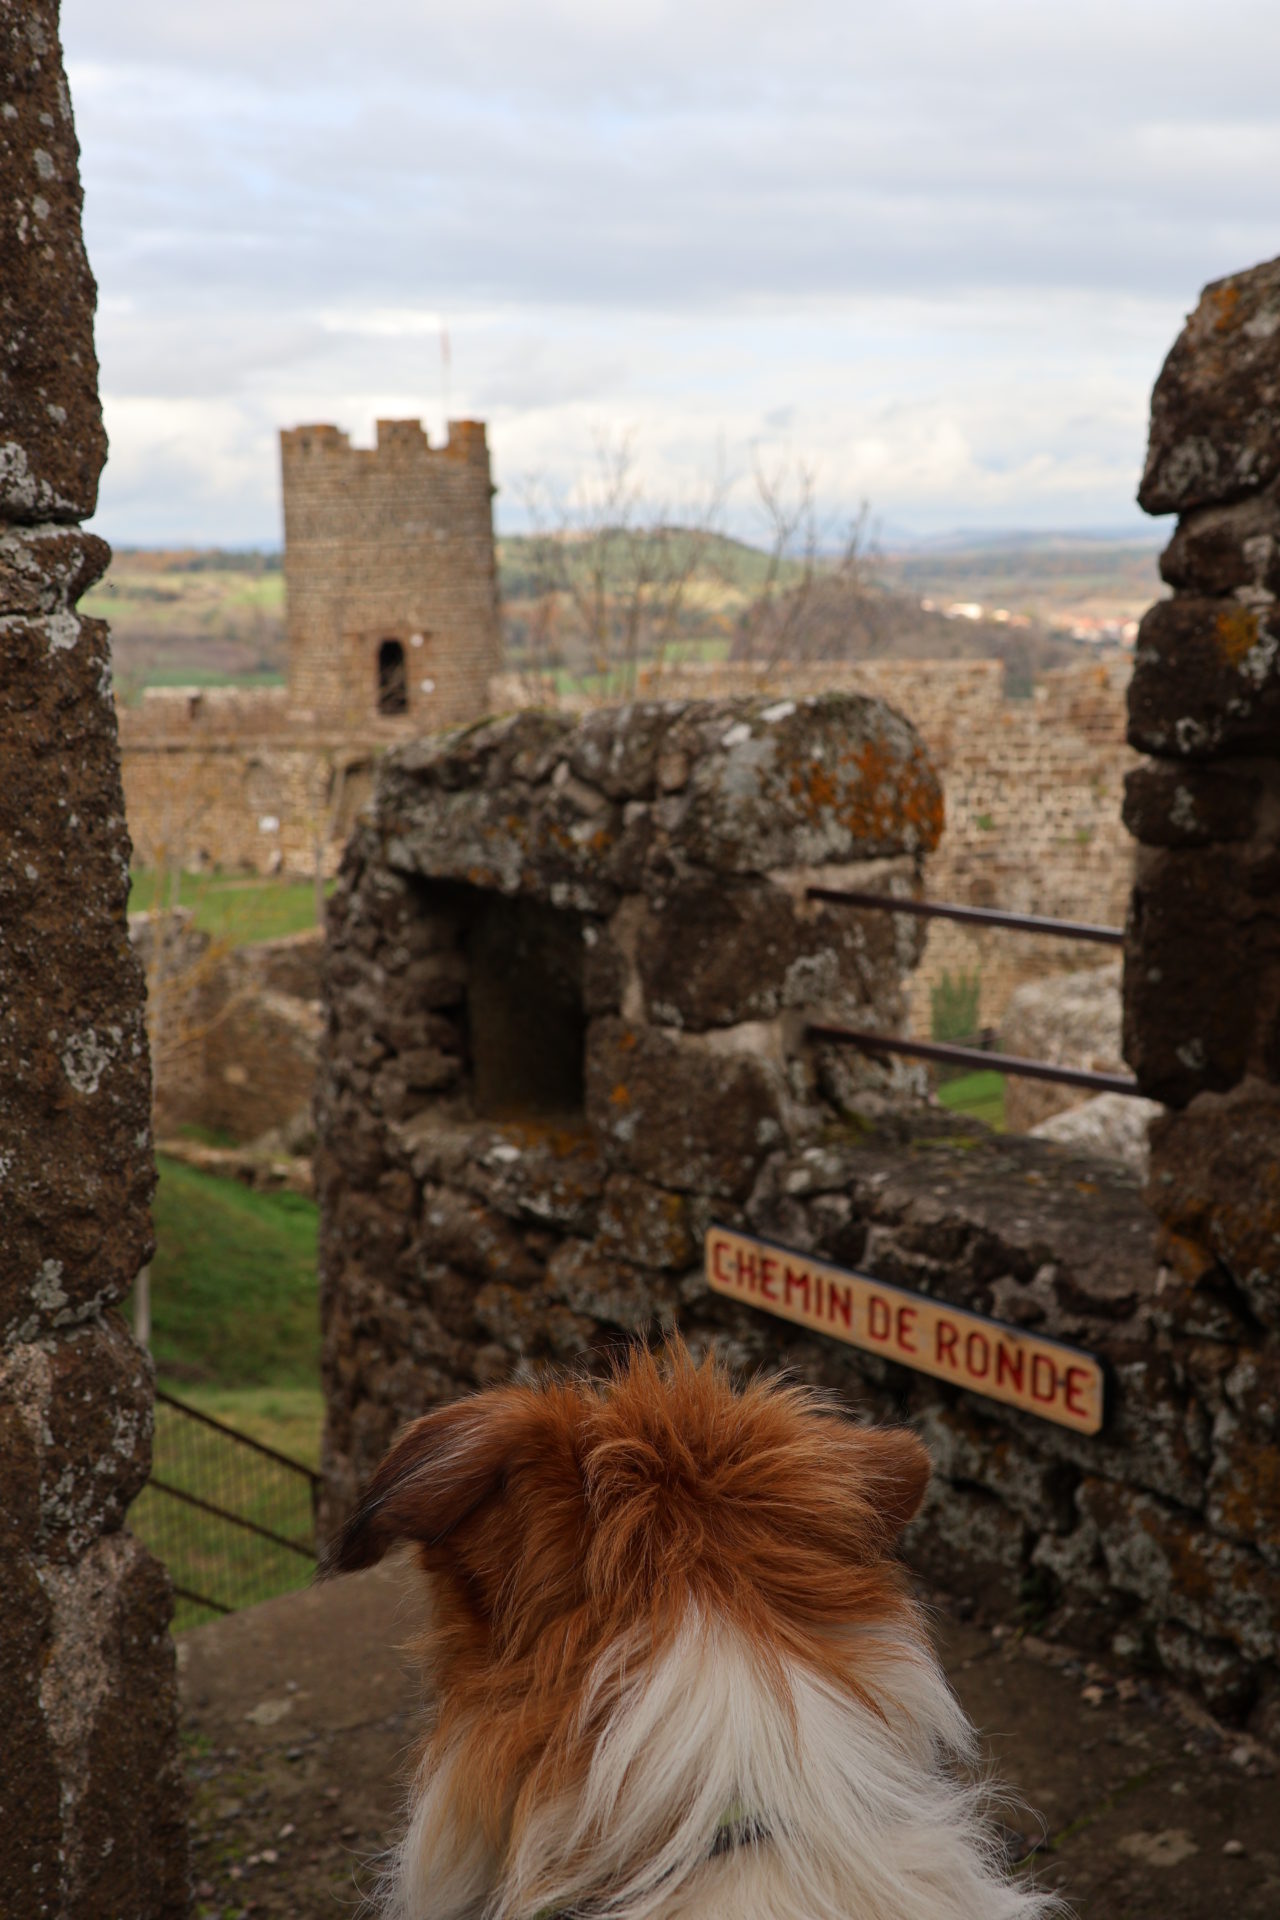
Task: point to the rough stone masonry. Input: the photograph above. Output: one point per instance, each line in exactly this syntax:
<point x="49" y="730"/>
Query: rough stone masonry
<point x="89" y="1780"/>
<point x="566" y="982"/>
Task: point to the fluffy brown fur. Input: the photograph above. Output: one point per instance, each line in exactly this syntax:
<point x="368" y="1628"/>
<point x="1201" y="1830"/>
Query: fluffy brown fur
<point x="571" y="1532"/>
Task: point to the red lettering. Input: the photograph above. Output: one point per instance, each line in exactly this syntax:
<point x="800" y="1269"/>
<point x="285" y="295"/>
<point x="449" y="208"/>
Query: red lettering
<point x="1010" y="1361"/>
<point x="977" y="1354"/>
<point x="768" y="1269"/>
<point x="945" y="1336"/>
<point x="906" y="1329"/>
<point x="840" y="1304"/>
<point x="747" y="1274"/>
<point x="797" y="1282"/>
<point x="1077" y="1381"/>
<point x="1044" y="1377"/>
<point x="717" y="1248"/>
<point x="879" y="1322"/>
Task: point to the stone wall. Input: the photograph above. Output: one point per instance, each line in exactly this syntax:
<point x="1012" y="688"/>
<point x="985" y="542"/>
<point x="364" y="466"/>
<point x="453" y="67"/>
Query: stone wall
<point x="390" y="544"/>
<point x="234" y="1032"/>
<point x="1202" y="966"/>
<point x="1032" y="787"/>
<point x="466" y="1239"/>
<point x="566" y="973"/>
<point x="207" y="783"/>
<point x="89" y="1775"/>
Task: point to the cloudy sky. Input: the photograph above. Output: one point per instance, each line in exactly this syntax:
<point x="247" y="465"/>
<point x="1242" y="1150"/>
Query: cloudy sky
<point x="936" y="250"/>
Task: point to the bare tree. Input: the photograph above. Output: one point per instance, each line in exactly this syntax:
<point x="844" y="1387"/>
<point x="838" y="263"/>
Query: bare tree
<point x="612" y="573"/>
<point x="817" y="578"/>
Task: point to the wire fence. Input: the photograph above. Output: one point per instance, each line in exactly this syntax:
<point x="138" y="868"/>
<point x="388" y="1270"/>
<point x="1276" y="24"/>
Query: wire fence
<point x="232" y="1519"/>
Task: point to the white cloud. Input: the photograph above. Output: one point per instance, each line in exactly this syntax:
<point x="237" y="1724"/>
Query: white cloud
<point x="949" y="242"/>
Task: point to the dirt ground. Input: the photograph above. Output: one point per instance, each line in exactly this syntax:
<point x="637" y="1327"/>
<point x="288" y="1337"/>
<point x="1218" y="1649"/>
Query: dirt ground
<point x="299" y="1716"/>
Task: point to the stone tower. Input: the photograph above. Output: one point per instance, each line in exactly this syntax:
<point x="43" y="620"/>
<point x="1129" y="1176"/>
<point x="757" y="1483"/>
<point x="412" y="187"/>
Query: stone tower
<point x="390" y="576"/>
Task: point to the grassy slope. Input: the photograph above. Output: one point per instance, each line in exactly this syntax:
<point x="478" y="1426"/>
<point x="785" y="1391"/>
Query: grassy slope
<point x="235" y="1332"/>
<point x="234" y="910"/>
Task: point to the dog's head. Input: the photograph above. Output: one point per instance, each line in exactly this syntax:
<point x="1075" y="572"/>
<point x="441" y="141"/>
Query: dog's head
<point x="665" y="1611"/>
<point x="587" y="1507"/>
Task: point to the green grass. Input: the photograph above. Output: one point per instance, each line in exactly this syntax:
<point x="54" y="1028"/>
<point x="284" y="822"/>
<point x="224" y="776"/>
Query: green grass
<point x="235" y="1333"/>
<point x="233" y="1284"/>
<point x="233" y="909"/>
<point x="980" y="1095"/>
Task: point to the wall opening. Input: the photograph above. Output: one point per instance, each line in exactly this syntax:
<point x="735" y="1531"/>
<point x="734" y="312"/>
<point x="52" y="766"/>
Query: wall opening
<point x="526" y="1024"/>
<point x="393" y="684"/>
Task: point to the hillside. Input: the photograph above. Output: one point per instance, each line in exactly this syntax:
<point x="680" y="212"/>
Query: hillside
<point x="207" y="618"/>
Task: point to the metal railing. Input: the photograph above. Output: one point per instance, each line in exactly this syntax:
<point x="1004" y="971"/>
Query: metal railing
<point x="233" y="1519"/>
<point x="948" y="1053"/>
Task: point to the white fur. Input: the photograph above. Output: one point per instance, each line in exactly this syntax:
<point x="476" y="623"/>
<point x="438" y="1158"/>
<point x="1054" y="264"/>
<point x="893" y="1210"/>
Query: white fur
<point x="865" y="1816"/>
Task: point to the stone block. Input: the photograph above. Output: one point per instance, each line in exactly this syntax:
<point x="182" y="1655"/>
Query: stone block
<point x="1183" y="1034"/>
<point x="74" y="1085"/>
<point x="711" y="955"/>
<point x="963" y="1525"/>
<point x="787" y="783"/>
<point x="1191" y="805"/>
<point x="108" y="1685"/>
<point x="44" y="570"/>
<point x="462" y="1233"/>
<point x="31" y="1791"/>
<point x="679" y="1114"/>
<point x="1244" y="1487"/>
<point x="1215" y="1182"/>
<point x="617" y="748"/>
<point x="1216" y="401"/>
<point x="646" y="1224"/>
<point x="54" y="444"/>
<point x="1175" y="1568"/>
<point x="608" y="1290"/>
<point x="1206" y="679"/>
<point x="1228" y="550"/>
<point x="1070" y="1020"/>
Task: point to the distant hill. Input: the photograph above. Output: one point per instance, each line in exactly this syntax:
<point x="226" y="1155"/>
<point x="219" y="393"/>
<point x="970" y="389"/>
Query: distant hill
<point x="842" y="620"/>
<point x="213" y="617"/>
<point x="1055" y="577"/>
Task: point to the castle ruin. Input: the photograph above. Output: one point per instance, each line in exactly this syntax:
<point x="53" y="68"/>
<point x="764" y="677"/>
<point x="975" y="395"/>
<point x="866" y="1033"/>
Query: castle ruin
<point x="392" y="622"/>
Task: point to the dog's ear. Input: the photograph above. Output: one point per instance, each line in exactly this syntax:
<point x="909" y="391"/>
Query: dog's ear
<point x="442" y="1469"/>
<point x="893" y="1472"/>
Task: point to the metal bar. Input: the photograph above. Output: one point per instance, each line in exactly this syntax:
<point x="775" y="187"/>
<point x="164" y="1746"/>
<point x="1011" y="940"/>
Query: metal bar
<point x="202" y="1600"/>
<point x="974" y="1057"/>
<point x="974" y="916"/>
<point x="234" y="1433"/>
<point x="236" y="1519"/>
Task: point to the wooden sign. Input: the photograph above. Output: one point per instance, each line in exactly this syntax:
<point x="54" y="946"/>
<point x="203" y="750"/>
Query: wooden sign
<point x="1045" y="1377"/>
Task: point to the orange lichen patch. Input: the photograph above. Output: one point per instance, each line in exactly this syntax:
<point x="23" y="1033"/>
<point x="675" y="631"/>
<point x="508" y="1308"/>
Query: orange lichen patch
<point x="621" y="1095"/>
<point x="601" y="841"/>
<point x="876" y="798"/>
<point x="1235" y="633"/>
<point x="814" y="787"/>
<point x="628" y="1041"/>
<point x="1190" y="1259"/>
<point x="1192" y="1576"/>
<point x="1226" y="301"/>
<point x="564" y="1142"/>
<point x="1253" y="1488"/>
<point x="482" y="876"/>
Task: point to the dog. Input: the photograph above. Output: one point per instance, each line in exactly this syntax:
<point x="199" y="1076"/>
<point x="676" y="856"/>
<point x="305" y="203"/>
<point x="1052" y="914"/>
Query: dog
<point x="677" y="1672"/>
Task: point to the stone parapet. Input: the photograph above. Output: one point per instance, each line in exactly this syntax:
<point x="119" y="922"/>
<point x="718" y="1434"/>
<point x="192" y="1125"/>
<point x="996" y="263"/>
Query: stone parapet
<point x="566" y="981"/>
<point x="1202" y="961"/>
<point x="90" y="1781"/>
